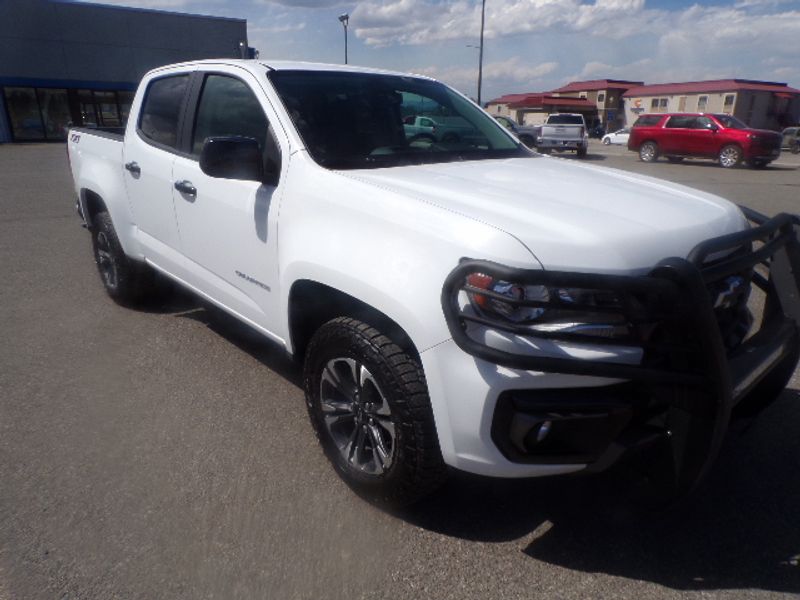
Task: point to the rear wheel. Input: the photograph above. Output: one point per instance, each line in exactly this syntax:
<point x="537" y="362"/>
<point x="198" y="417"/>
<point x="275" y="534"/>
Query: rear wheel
<point x="730" y="156"/>
<point x="368" y="401"/>
<point x="795" y="148"/>
<point x="648" y="152"/>
<point x="127" y="281"/>
<point x="581" y="152"/>
<point x="606" y="141"/>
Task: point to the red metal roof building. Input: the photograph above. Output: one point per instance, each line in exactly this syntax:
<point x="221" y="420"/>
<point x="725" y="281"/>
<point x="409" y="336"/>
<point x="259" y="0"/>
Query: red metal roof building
<point x="761" y="104"/>
<point x="599" y="100"/>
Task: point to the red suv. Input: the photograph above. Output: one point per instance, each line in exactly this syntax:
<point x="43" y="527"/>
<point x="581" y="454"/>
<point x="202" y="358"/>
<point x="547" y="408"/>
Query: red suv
<point x="721" y="137"/>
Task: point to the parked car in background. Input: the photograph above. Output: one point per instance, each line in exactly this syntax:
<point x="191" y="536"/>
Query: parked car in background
<point x="618" y="137"/>
<point x="527" y="134"/>
<point x="447" y="130"/>
<point x="791" y="139"/>
<point x="564" y="131"/>
<point x="698" y="135"/>
<point x="598" y="131"/>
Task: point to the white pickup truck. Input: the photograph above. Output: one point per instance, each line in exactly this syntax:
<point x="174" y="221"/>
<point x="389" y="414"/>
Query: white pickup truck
<point x="561" y="132"/>
<point x="467" y="306"/>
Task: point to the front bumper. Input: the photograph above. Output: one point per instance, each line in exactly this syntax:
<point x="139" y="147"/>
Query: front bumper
<point x="562" y="413"/>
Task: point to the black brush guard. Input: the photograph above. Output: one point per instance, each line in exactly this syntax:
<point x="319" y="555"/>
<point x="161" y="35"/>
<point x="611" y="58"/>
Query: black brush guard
<point x="688" y="374"/>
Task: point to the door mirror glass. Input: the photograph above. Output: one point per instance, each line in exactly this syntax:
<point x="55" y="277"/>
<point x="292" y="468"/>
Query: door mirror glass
<point x="232" y="157"/>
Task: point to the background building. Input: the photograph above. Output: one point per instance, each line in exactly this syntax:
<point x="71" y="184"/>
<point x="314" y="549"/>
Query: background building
<point x="760" y="104"/>
<point x="533" y="108"/>
<point x="605" y="95"/>
<point x="599" y="101"/>
<point x="64" y="61"/>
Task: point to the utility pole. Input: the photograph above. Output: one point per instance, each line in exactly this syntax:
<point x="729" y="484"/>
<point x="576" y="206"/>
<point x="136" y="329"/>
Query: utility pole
<point x="344" y="19"/>
<point x="480" y="56"/>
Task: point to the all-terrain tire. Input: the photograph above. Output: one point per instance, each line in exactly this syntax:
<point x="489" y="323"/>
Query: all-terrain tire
<point x="128" y="282"/>
<point x="409" y="464"/>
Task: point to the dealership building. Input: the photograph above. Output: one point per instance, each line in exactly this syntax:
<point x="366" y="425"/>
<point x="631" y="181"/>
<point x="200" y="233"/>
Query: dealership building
<point x="65" y="62"/>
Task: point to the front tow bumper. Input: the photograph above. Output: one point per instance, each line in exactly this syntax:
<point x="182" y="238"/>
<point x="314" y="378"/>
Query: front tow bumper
<point x="688" y="376"/>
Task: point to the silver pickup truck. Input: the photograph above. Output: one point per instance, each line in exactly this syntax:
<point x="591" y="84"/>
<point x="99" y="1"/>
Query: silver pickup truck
<point x="564" y="132"/>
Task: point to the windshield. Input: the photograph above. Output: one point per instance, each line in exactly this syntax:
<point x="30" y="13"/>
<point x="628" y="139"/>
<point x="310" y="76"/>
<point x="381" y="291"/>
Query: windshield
<point x="365" y="120"/>
<point x="565" y="120"/>
<point x="730" y="122"/>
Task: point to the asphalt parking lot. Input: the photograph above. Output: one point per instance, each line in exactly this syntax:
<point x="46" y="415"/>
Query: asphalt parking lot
<point x="167" y="454"/>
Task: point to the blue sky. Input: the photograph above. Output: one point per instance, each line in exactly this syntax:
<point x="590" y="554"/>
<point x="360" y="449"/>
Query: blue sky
<point x="531" y="45"/>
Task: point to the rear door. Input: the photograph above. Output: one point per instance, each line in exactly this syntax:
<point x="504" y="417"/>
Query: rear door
<point x="677" y="136"/>
<point x="229" y="227"/>
<point x="148" y="155"/>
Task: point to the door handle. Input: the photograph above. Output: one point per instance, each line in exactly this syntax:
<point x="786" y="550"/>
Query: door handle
<point x="133" y="167"/>
<point x="186" y="187"/>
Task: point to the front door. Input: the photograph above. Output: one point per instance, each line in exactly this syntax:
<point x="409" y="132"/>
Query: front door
<point x="228" y="227"/>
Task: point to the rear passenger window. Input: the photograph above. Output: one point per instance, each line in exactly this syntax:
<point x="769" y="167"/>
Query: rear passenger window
<point x="680" y="122"/>
<point x="647" y="120"/>
<point x="228" y="107"/>
<point x="162" y="106"/>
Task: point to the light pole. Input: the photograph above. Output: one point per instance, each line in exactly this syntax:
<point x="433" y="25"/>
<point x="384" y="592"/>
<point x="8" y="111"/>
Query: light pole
<point x="344" y="19"/>
<point x="480" y="57"/>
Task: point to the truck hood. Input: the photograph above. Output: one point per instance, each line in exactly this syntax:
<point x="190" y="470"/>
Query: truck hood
<point x="571" y="216"/>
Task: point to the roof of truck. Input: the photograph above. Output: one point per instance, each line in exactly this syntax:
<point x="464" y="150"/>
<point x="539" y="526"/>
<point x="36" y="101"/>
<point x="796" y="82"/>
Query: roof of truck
<point x="287" y="65"/>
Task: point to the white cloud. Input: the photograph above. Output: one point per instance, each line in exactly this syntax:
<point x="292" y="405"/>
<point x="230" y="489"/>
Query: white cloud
<point x="508" y="72"/>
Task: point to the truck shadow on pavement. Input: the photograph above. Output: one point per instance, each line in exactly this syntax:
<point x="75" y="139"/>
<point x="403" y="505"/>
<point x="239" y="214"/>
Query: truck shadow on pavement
<point x="740" y="530"/>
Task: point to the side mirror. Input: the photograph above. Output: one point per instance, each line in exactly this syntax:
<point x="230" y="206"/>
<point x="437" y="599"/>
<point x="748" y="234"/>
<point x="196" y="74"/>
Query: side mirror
<point x="712" y="127"/>
<point x="232" y="158"/>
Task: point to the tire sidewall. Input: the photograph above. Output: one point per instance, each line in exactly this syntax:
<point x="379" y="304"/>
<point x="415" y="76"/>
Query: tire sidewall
<point x="103" y="227"/>
<point x="335" y="340"/>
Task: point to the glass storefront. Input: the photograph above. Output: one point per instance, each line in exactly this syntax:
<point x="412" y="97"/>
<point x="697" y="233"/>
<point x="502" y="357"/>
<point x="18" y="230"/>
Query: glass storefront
<point x="43" y="114"/>
<point x="23" y="113"/>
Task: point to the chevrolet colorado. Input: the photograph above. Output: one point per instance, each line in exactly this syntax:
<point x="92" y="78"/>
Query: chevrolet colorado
<point x="462" y="304"/>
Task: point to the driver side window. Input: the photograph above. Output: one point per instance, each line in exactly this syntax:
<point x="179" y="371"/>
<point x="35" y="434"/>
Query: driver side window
<point x="228" y="107"/>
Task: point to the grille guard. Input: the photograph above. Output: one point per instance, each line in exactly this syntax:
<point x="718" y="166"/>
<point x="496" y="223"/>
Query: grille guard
<point x="690" y="360"/>
<point x="673" y="294"/>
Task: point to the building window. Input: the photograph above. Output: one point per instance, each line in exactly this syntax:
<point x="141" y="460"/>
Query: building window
<point x="727" y="106"/>
<point x="659" y="104"/>
<point x="601" y="97"/>
<point x="37" y="113"/>
<point x="702" y="102"/>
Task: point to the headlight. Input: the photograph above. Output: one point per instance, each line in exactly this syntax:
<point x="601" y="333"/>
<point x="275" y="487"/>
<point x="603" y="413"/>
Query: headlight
<point x="547" y="310"/>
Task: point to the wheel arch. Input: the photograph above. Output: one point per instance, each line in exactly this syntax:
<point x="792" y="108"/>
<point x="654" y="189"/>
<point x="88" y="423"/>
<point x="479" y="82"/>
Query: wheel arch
<point x="91" y="204"/>
<point x="311" y="304"/>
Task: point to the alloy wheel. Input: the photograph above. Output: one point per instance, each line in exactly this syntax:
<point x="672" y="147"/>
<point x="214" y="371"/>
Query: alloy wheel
<point x="357" y="416"/>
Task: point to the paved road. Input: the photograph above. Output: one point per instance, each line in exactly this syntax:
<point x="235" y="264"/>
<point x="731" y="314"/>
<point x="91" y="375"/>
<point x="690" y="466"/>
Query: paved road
<point x="167" y="455"/>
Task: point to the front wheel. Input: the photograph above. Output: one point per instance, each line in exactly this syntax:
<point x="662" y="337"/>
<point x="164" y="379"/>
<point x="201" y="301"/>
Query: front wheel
<point x="730" y="156"/>
<point x="795" y="148"/>
<point x="606" y="141"/>
<point x="648" y="152"/>
<point x="368" y="402"/>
